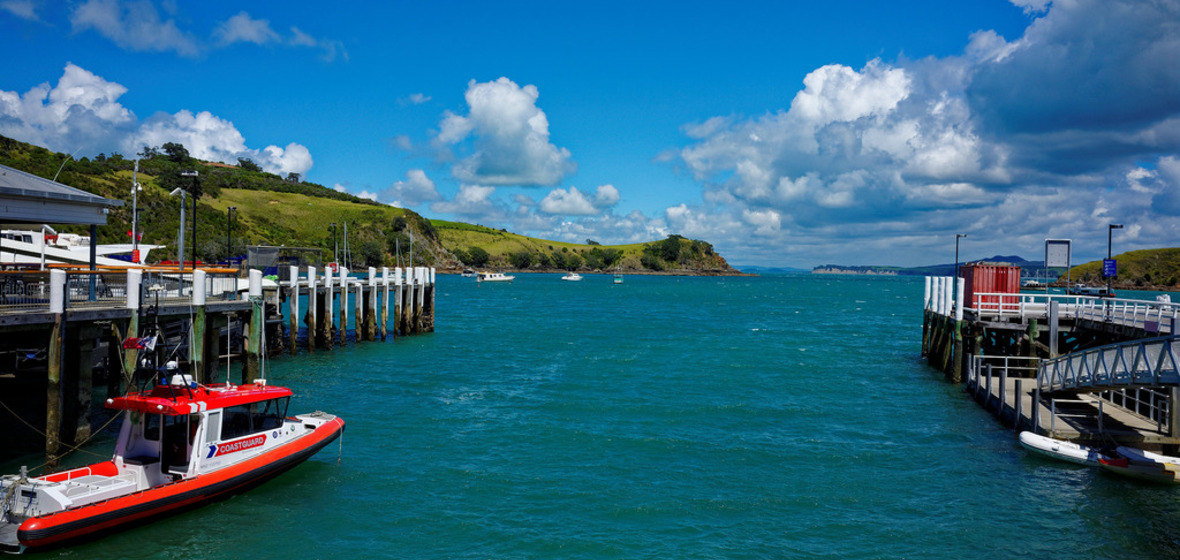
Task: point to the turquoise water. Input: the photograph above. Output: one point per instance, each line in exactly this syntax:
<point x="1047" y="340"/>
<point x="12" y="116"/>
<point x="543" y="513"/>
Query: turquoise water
<point x="769" y="417"/>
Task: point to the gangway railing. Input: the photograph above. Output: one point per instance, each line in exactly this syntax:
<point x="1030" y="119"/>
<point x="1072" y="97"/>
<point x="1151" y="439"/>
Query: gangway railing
<point x="1149" y="362"/>
<point x="1151" y="316"/>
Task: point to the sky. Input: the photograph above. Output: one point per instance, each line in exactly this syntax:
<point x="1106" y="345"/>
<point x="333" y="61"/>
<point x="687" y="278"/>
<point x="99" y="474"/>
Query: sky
<point x="785" y="133"/>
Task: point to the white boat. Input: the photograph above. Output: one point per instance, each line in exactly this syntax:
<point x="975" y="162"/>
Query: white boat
<point x="494" y="277"/>
<point x="1144" y="465"/>
<point x="33" y="247"/>
<point x="618" y="276"/>
<point x="1063" y="450"/>
<point x="572" y="276"/>
<point x="468" y="273"/>
<point x="1084" y="290"/>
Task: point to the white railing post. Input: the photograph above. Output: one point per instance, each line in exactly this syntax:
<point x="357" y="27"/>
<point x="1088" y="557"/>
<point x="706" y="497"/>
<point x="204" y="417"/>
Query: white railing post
<point x="959" y="302"/>
<point x="57" y="291"/>
<point x="199" y="287"/>
<point x="134" y="280"/>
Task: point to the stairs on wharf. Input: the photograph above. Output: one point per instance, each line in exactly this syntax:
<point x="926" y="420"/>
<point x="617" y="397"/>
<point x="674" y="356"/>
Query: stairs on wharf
<point x="1086" y="369"/>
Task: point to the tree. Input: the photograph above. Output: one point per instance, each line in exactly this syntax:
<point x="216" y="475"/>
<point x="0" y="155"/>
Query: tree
<point x="249" y="165"/>
<point x="592" y="242"/>
<point x="294" y="177"/>
<point x="478" y="256"/>
<point x="176" y="152"/>
<point x="521" y="260"/>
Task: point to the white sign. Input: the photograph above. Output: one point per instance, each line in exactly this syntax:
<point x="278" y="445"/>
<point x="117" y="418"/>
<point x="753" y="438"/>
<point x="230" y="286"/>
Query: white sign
<point x="1057" y="253"/>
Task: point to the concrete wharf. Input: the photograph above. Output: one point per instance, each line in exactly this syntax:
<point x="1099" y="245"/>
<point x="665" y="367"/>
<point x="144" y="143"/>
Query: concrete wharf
<point x="1094" y="370"/>
<point x="63" y="330"/>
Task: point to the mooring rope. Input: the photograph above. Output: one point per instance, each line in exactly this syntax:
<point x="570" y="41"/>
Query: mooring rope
<point x="72" y="448"/>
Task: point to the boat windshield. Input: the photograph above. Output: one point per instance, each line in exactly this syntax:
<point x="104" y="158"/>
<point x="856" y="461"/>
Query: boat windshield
<point x="246" y="419"/>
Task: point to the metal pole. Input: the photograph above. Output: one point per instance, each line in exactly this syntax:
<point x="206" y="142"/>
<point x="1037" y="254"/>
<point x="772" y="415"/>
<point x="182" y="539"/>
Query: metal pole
<point x="229" y="235"/>
<point x="180" y="244"/>
<point x="957" y="236"/>
<point x="135" y="210"/>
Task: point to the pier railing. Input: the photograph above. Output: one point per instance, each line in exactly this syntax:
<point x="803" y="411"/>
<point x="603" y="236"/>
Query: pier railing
<point x="1140" y="363"/>
<point x="1151" y="316"/>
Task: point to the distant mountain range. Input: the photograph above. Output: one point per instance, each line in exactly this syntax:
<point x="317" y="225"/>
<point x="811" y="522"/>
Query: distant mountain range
<point x="1027" y="268"/>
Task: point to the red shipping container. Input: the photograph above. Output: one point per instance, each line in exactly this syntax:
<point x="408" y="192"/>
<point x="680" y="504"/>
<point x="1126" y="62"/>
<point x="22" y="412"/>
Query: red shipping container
<point x="990" y="278"/>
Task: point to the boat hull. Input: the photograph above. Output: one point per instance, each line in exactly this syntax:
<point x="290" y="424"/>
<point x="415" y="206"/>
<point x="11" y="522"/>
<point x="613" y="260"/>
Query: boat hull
<point x="94" y="519"/>
<point x="1061" y="450"/>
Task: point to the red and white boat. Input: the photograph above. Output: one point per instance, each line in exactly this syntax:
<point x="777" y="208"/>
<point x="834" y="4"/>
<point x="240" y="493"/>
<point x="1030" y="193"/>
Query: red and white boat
<point x="181" y="444"/>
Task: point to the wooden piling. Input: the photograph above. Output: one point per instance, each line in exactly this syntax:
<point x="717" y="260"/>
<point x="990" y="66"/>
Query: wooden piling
<point x="57" y="295"/>
<point x="327" y="324"/>
<point x="196" y="348"/>
<point x="343" y="330"/>
<point x="384" y="302"/>
<point x="312" y="309"/>
<point x="254" y="346"/>
<point x="293" y="308"/>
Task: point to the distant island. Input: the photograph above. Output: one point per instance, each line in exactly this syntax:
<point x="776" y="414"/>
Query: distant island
<point x="1149" y="269"/>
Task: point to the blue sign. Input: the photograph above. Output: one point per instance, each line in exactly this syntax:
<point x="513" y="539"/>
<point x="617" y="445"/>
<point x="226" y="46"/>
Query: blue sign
<point x="1110" y="267"/>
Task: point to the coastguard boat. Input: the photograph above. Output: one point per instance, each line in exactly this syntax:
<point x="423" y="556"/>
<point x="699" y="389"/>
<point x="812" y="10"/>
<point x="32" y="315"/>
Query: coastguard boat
<point x="181" y="444"/>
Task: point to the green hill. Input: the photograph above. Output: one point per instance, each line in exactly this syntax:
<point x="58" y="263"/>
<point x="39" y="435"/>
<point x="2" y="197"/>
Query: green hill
<point x="285" y="211"/>
<point x="1148" y="269"/>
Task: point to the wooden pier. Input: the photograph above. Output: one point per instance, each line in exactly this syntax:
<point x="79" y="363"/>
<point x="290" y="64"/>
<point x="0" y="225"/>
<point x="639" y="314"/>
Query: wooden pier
<point x="1087" y="369"/>
<point x="63" y="330"/>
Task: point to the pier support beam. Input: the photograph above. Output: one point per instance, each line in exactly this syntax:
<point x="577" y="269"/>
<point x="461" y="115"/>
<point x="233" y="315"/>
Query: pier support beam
<point x="312" y="308"/>
<point x="134" y="282"/>
<point x="196" y="348"/>
<point x="384" y="302"/>
<point x="293" y="308"/>
<point x="343" y="330"/>
<point x="254" y="347"/>
<point x="57" y="295"/>
<point x="328" y="322"/>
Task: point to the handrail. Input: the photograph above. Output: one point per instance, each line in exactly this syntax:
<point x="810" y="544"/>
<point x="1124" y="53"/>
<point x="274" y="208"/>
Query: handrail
<point x="1149" y="362"/>
<point x="1151" y="316"/>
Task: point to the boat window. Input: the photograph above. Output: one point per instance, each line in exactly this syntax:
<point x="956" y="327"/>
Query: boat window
<point x="213" y="428"/>
<point x="151" y="427"/>
<point x="252" y="418"/>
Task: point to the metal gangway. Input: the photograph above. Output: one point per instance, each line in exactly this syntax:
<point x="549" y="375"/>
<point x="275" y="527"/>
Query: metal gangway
<point x="1144" y="363"/>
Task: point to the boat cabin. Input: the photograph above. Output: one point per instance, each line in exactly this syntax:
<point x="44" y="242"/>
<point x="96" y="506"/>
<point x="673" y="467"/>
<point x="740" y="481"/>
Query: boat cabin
<point x="181" y="429"/>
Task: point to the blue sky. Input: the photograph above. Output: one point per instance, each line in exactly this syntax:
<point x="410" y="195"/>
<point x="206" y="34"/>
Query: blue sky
<point x="785" y="133"/>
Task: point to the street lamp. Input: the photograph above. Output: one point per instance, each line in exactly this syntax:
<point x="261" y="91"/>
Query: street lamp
<point x="194" y="191"/>
<point x="180" y="236"/>
<point x="1109" y="231"/>
<point x="229" y="235"/>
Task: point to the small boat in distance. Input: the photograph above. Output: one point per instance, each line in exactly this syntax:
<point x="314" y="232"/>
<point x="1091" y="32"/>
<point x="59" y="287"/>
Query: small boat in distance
<point x="494" y="277"/>
<point x="618" y="277"/>
<point x="468" y="273"/>
<point x="572" y="276"/>
<point x="1063" y="450"/>
<point x="182" y="444"/>
<point x="1084" y="290"/>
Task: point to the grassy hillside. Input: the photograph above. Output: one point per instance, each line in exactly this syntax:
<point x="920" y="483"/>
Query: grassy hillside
<point x="1157" y="269"/>
<point x="273" y="210"/>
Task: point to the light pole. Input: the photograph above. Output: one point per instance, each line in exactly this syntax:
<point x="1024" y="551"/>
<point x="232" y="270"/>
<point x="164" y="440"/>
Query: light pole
<point x="180" y="236"/>
<point x="229" y="235"/>
<point x="194" y="192"/>
<point x="1109" y="232"/>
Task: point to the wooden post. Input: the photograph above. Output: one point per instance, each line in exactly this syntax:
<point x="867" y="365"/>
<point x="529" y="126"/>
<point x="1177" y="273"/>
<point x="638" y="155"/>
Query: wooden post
<point x="1054" y="316"/>
<point x="57" y="295"/>
<point x="429" y="313"/>
<point x="1003" y="396"/>
<point x="312" y="308"/>
<point x="196" y="342"/>
<point x="134" y="280"/>
<point x="1016" y="416"/>
<point x="254" y="347"/>
<point x="359" y="325"/>
<point x="328" y="325"/>
<point x="343" y="331"/>
<point x="384" y="302"/>
<point x="371" y="307"/>
<point x="293" y="308"/>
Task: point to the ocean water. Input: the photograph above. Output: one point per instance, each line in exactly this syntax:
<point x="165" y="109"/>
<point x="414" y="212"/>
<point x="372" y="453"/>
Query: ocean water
<point x="673" y="418"/>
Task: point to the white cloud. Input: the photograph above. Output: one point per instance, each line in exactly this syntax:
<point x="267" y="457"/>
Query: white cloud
<point x="135" y="25"/>
<point x="24" y="9"/>
<point x="82" y="114"/>
<point x="241" y="28"/>
<point x="418" y="98"/>
<point x="571" y="202"/>
<point x="510" y="137"/>
<point x="471" y="200"/>
<point x="416" y="189"/>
